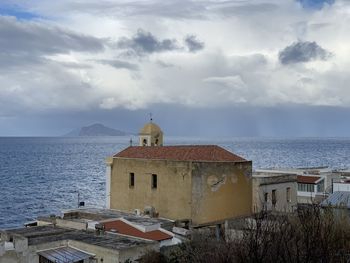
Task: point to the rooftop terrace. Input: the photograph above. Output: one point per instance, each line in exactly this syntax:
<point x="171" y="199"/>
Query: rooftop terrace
<point x="46" y="234"/>
<point x="99" y="214"/>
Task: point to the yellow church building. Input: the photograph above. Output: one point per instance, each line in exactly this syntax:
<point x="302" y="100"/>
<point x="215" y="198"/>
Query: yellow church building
<point x="201" y="184"/>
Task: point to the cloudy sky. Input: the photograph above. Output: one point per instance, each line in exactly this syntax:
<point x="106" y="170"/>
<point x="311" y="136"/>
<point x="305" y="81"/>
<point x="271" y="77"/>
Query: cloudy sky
<point x="209" y="67"/>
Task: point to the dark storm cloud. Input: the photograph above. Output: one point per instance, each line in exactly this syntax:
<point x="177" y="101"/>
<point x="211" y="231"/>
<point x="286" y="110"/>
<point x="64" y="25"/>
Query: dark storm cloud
<point x="18" y="37"/>
<point x="146" y="43"/>
<point x="193" y="44"/>
<point x="292" y="121"/>
<point x="119" y="64"/>
<point x="300" y="52"/>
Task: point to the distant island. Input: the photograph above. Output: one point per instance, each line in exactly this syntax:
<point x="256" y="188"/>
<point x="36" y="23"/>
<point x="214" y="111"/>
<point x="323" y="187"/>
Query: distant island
<point x="96" y="129"/>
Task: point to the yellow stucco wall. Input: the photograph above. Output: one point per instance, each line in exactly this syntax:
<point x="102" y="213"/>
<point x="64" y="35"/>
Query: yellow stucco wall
<point x="171" y="199"/>
<point x="220" y="191"/>
<point x="204" y="192"/>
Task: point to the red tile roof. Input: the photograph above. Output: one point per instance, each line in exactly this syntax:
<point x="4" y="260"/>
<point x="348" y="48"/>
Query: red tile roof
<point x="126" y="229"/>
<point x="208" y="153"/>
<point x="308" y="179"/>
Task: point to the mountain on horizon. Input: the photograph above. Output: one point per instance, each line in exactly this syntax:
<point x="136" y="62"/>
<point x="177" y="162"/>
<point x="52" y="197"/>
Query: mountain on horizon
<point x="96" y="129"/>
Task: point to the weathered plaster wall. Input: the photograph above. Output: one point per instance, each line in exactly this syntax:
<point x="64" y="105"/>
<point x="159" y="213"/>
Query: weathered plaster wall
<point x="71" y="224"/>
<point x="10" y="257"/>
<point x="108" y="255"/>
<point x="260" y="188"/>
<point x="136" y="252"/>
<point x="115" y="255"/>
<point x="29" y="255"/>
<point x="171" y="198"/>
<point x="220" y="191"/>
<point x="304" y="199"/>
<point x="205" y="192"/>
<point x="32" y="255"/>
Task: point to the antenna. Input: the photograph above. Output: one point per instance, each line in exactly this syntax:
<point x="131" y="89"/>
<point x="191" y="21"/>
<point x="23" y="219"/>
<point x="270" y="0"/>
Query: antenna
<point x="130" y="141"/>
<point x="80" y="203"/>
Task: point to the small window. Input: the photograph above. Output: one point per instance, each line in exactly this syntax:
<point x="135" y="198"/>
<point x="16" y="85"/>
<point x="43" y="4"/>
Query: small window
<point x="131" y="180"/>
<point x="289" y="199"/>
<point x="306" y="187"/>
<point x="144" y="142"/>
<point x="274" y="198"/>
<point x="154" y="181"/>
<point x="266" y="197"/>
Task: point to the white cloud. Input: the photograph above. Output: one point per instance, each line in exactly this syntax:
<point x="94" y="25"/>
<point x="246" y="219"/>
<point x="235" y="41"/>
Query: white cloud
<point x="70" y="61"/>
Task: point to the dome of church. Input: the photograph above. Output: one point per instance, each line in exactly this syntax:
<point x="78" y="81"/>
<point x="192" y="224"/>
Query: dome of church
<point x="150" y="128"/>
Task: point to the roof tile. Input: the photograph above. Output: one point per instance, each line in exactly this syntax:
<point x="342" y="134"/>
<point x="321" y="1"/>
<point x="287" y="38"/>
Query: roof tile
<point x="126" y="229"/>
<point x="208" y="153"/>
<point x="307" y="179"/>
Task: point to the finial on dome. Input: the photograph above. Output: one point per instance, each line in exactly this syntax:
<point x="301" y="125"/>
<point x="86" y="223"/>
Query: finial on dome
<point x="150" y="116"/>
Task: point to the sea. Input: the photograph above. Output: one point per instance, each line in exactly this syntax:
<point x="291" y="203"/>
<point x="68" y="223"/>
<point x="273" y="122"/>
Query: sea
<point x="44" y="176"/>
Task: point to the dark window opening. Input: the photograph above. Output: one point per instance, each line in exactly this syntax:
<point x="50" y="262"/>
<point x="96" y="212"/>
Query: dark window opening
<point x="274" y="198"/>
<point x="131" y="180"/>
<point x="266" y="197"/>
<point x="44" y="260"/>
<point x="154" y="181"/>
<point x="289" y="199"/>
<point x="144" y="142"/>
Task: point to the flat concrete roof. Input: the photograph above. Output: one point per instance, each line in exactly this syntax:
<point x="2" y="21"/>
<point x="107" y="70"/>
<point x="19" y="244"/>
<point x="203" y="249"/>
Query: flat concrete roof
<point x="266" y="174"/>
<point x="46" y="234"/>
<point x="268" y="178"/>
<point x="300" y="170"/>
<point x="99" y="214"/>
<point x="32" y="232"/>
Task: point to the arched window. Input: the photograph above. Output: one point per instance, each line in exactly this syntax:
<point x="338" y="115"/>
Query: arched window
<point x="144" y="142"/>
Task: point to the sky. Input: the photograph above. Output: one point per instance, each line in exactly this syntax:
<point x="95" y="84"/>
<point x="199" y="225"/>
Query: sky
<point x="203" y="67"/>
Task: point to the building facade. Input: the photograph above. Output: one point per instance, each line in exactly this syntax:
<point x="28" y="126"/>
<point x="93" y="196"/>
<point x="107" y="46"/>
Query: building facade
<point x="201" y="184"/>
<point x="46" y="244"/>
<point x="341" y="185"/>
<point x="274" y="192"/>
<point x="311" y="189"/>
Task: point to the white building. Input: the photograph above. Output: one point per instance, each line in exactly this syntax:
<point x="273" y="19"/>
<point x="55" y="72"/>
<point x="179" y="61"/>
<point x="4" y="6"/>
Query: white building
<point x="52" y="244"/>
<point x="274" y="192"/>
<point x="325" y="172"/>
<point x="311" y="189"/>
<point x="341" y="185"/>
